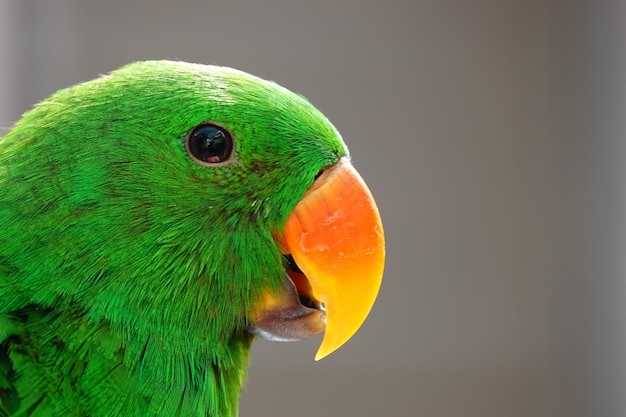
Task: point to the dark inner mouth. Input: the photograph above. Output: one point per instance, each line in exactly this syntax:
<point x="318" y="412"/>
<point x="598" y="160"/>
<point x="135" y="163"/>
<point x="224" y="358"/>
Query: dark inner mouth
<point x="291" y="264"/>
<point x="305" y="292"/>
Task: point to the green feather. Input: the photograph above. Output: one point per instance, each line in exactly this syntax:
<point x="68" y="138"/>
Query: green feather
<point x="128" y="270"/>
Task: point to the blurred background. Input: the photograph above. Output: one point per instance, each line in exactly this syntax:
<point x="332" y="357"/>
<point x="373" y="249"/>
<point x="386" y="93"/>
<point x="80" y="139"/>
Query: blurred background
<point x="491" y="133"/>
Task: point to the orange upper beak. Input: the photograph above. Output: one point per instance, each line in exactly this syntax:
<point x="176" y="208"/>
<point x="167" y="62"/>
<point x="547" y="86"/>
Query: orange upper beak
<point x="335" y="236"/>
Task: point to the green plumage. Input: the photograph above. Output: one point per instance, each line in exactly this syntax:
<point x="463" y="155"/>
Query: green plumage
<point x="128" y="270"/>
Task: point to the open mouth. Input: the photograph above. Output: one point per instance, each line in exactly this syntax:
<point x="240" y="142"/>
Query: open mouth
<point x="293" y="313"/>
<point x="302" y="284"/>
<point x="333" y="260"/>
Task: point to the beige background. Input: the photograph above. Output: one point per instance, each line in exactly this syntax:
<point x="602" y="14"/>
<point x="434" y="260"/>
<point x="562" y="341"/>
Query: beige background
<point x="492" y="136"/>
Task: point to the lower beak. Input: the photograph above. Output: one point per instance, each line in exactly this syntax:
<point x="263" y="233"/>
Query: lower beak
<point x="335" y="237"/>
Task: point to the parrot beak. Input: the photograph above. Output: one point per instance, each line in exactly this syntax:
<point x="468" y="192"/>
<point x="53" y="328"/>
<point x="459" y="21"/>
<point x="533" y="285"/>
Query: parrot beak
<point x="336" y="253"/>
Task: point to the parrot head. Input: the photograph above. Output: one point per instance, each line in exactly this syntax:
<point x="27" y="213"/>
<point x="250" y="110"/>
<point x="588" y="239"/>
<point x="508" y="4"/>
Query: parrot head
<point x="188" y="207"/>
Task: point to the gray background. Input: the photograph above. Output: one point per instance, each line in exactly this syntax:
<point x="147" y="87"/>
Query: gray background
<point x="491" y="135"/>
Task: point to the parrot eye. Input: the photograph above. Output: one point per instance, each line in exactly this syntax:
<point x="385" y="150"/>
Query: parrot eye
<point x="209" y="144"/>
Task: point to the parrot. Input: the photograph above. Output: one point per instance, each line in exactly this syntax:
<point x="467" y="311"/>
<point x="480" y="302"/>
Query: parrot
<point x="158" y="218"/>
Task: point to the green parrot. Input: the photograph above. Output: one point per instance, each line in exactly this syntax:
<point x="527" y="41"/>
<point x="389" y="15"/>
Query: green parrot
<point x="153" y="221"/>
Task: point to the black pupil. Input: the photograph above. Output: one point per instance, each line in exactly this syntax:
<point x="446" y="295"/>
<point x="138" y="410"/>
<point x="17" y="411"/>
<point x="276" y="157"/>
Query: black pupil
<point x="210" y="144"/>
